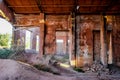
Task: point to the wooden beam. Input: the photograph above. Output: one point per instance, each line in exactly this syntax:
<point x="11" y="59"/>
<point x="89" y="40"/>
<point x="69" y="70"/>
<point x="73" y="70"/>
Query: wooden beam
<point x="98" y="13"/>
<point x="59" y="5"/>
<point x="23" y="6"/>
<point x="39" y="5"/>
<point x="28" y="12"/>
<point x="16" y="25"/>
<point x="110" y="5"/>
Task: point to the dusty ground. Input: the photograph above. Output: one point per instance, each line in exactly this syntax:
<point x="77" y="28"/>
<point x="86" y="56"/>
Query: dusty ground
<point x="13" y="70"/>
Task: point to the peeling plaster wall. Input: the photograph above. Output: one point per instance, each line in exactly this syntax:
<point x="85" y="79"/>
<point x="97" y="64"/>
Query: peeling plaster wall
<point x="54" y="23"/>
<point x="85" y="26"/>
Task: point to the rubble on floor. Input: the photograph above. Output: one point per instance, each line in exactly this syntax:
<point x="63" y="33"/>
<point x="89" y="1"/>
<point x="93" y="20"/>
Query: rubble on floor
<point x="96" y="67"/>
<point x="15" y="70"/>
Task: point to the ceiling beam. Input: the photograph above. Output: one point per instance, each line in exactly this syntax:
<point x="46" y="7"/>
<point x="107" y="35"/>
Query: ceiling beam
<point x="98" y="13"/>
<point x="60" y="6"/>
<point x="28" y="12"/>
<point x="23" y="6"/>
<point x="110" y="5"/>
<point x="39" y="5"/>
<point x="73" y="5"/>
<point x="57" y="13"/>
<point x="7" y="5"/>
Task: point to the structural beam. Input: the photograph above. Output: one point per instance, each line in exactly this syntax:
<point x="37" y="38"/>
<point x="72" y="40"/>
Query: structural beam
<point x="56" y="5"/>
<point x="39" y="5"/>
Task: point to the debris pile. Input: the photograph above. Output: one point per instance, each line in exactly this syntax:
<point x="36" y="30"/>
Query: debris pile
<point x="96" y="67"/>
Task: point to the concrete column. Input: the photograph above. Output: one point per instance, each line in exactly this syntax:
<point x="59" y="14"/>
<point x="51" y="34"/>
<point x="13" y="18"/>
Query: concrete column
<point x="110" y="56"/>
<point x="103" y="54"/>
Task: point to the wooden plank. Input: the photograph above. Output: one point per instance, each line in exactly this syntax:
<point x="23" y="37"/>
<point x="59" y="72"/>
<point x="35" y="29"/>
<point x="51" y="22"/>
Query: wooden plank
<point x="33" y="2"/>
<point x="88" y="2"/>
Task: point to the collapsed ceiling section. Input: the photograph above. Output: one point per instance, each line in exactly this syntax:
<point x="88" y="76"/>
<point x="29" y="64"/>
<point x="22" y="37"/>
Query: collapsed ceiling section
<point x="64" y="6"/>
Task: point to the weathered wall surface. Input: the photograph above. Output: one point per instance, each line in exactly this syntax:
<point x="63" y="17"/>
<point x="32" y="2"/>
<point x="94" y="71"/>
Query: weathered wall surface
<point x="8" y="13"/>
<point x="116" y="38"/>
<point x="85" y="26"/>
<point x="54" y="23"/>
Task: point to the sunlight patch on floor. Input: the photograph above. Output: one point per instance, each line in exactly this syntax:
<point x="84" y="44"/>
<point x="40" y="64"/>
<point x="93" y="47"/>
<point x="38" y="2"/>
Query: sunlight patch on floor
<point x="64" y="65"/>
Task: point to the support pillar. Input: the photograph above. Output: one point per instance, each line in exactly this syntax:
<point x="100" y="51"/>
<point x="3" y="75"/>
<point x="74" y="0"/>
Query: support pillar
<point x="41" y="38"/>
<point x="73" y="44"/>
<point x="110" y="56"/>
<point x="103" y="54"/>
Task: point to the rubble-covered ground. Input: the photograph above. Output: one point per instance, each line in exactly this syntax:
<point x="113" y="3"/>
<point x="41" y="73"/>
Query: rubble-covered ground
<point x="15" y="70"/>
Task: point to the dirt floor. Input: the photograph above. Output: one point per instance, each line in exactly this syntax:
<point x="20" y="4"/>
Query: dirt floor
<point x="14" y="70"/>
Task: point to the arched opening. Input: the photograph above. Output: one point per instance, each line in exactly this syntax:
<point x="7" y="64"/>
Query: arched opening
<point x="5" y="33"/>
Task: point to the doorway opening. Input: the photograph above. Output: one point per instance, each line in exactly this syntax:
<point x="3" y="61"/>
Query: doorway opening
<point x="63" y="46"/>
<point x="96" y="44"/>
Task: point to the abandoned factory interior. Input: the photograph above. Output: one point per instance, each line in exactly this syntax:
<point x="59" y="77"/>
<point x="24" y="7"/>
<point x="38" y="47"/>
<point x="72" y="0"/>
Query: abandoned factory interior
<point x="60" y="39"/>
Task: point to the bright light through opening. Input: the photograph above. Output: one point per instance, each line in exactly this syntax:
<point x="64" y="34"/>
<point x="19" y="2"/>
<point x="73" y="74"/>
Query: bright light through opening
<point x="59" y="41"/>
<point x="5" y="27"/>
